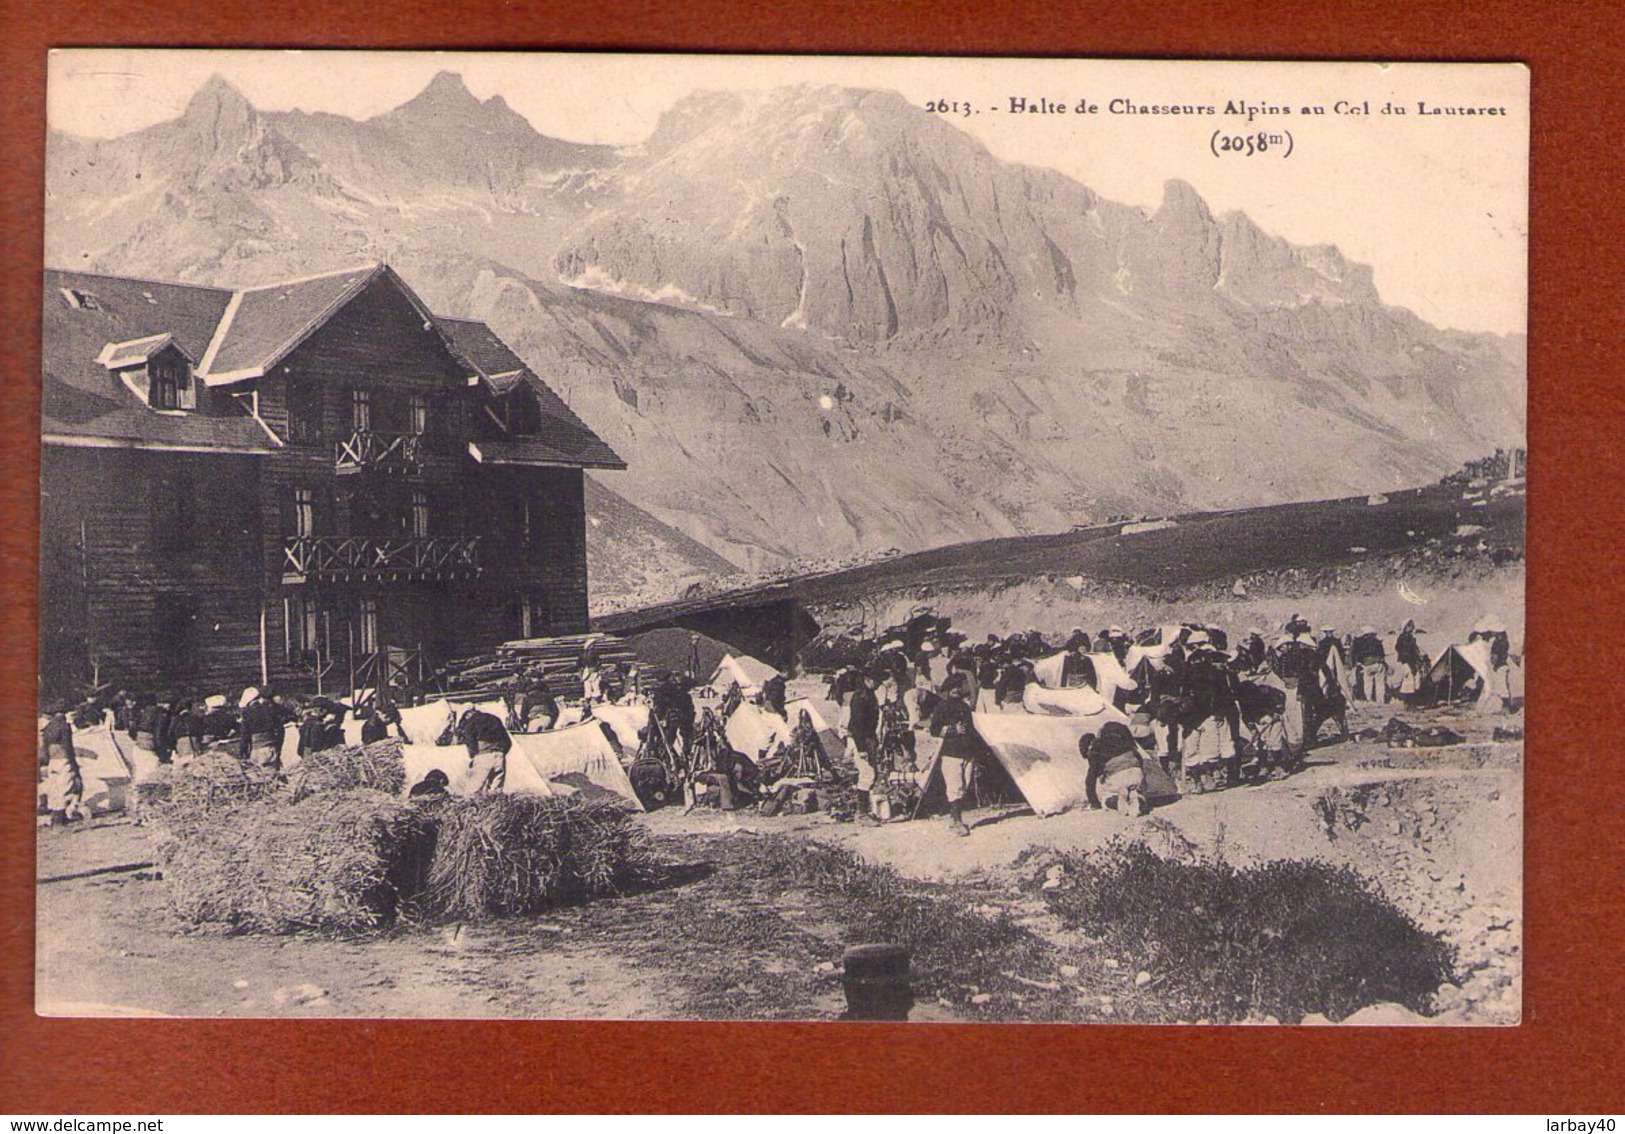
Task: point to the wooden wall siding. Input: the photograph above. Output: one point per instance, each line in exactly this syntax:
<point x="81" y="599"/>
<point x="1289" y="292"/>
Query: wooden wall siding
<point x="108" y="594"/>
<point x="242" y="510"/>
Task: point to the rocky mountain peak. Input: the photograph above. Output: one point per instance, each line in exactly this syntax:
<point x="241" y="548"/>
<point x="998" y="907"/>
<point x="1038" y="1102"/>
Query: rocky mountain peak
<point x="446" y="89"/>
<point x="220" y="109"/>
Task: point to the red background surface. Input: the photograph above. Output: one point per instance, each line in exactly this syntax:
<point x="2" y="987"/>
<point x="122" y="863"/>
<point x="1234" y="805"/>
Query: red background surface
<point x="1563" y="1060"/>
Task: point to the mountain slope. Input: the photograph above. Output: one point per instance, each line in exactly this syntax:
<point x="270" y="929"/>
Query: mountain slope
<point x="819" y="321"/>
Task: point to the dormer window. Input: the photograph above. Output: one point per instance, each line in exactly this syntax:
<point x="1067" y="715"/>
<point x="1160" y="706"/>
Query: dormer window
<point x="154" y="369"/>
<point x="170" y="383"/>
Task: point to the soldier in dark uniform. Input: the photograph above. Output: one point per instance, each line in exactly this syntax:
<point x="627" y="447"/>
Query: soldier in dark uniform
<point x="1296" y="662"/>
<point x="488" y="744"/>
<point x="773" y="696"/>
<point x="190" y="731"/>
<point x="260" y="728"/>
<point x="863" y="739"/>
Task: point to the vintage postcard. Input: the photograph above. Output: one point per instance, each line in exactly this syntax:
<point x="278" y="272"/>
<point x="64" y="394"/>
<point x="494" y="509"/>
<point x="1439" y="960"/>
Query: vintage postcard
<point x="782" y="538"/>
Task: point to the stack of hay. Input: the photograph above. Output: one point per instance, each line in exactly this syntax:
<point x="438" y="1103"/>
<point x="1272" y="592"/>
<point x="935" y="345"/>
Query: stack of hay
<point x="334" y="849"/>
<point x="376" y="766"/>
<point x="211" y="780"/>
<point x="505" y="855"/>
<point x="336" y="861"/>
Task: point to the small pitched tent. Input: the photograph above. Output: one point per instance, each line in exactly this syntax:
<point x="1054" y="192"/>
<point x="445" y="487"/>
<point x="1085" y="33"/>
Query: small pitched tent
<point x="1077" y="702"/>
<point x="753" y="731"/>
<point x="1041" y="753"/>
<point x="1463" y="672"/>
<point x="423" y="724"/>
<point x="579" y="759"/>
<point x="745" y="671"/>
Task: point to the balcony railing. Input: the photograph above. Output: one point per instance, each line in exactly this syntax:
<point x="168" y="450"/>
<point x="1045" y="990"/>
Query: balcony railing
<point x="349" y="559"/>
<point x="364" y="449"/>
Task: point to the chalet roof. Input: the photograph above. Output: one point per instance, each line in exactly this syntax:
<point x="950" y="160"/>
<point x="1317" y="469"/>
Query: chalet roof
<point x="262" y="325"/>
<point x="82" y="404"/>
<point x="94" y="324"/>
<point x="136" y="352"/>
<point x="563" y="438"/>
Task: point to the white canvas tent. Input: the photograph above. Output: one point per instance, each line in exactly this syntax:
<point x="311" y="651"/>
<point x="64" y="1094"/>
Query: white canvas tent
<point x="1077" y="702"/>
<point x="1459" y="665"/>
<point x="753" y="731"/>
<point x="624" y="721"/>
<point x="745" y="671"/>
<point x="104" y="766"/>
<point x="1041" y="754"/>
<point x="566" y="761"/>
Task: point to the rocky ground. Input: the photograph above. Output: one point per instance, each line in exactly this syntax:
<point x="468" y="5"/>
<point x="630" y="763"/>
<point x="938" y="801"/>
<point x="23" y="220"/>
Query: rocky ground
<point x="757" y="915"/>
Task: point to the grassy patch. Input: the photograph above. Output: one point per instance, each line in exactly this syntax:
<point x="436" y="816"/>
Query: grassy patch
<point x="1283" y="939"/>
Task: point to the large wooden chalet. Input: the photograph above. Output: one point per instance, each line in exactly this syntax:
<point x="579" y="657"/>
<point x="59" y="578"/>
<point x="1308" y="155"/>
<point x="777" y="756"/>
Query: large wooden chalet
<point x="316" y="482"/>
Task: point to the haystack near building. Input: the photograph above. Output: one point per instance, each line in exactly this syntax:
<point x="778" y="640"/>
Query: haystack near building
<point x="311" y="483"/>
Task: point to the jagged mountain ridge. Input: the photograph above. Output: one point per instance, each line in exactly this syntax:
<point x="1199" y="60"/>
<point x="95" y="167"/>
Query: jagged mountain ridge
<point x="819" y="321"/>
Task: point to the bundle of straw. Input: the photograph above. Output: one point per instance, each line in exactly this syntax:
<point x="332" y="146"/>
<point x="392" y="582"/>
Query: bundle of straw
<point x="504" y="855"/>
<point x="336" y="861"/>
<point x="376" y="766"/>
<point x="212" y="780"/>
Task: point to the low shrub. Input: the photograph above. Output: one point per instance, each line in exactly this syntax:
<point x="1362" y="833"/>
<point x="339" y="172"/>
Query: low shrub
<point x="1283" y="939"/>
<point x="950" y="943"/>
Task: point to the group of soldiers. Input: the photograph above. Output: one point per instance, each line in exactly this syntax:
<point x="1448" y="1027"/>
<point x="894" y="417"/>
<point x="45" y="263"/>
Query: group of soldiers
<point x="1211" y="714"/>
<point x="168" y="729"/>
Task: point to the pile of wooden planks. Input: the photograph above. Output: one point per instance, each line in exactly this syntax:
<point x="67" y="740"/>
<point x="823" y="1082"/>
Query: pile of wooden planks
<point x="487" y="676"/>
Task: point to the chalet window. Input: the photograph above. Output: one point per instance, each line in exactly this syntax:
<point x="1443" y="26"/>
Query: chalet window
<point x="417" y="415"/>
<point x="173" y="522"/>
<point x="520" y="413"/>
<point x="369" y="626"/>
<point x="170" y="384"/>
<point x="360" y="410"/>
<point x="420" y="514"/>
<point x="304" y="512"/>
<point x="304" y="638"/>
<point x="304" y="413"/>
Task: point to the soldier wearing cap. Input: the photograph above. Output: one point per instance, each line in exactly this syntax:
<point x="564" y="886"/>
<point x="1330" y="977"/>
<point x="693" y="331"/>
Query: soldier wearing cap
<point x="1297" y="663"/>
<point x="259" y="740"/>
<point x="951" y="721"/>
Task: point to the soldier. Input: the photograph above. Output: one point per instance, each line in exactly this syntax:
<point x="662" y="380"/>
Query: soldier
<point x="1114" y="770"/>
<point x="63" y="788"/>
<point x="1370" y="659"/>
<point x="259" y="740"/>
<point x="1409" y="654"/>
<point x="951" y="721"/>
<point x="190" y="731"/>
<point x="1297" y="663"/>
<point x="863" y="740"/>
<point x="488" y="744"/>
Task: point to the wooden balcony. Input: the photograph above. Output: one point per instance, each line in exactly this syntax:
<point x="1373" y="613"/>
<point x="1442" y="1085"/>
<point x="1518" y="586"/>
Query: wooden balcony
<point x="386" y="452"/>
<point x="354" y="560"/>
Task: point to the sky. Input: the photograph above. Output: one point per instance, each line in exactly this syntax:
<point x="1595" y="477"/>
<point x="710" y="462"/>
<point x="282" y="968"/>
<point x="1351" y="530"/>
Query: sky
<point x="1436" y="204"/>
